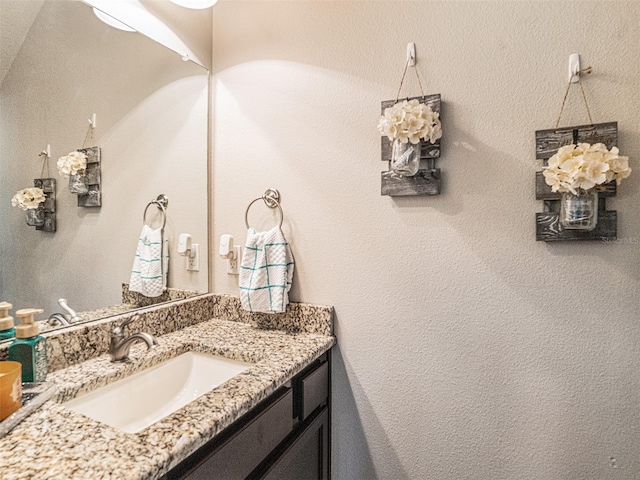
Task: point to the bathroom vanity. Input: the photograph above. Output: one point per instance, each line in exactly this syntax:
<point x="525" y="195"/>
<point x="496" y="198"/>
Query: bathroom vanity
<point x="272" y="420"/>
<point x="285" y="437"/>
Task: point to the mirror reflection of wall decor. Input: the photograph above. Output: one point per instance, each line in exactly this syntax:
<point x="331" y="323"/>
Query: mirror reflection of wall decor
<point x="93" y="195"/>
<point x="582" y="168"/>
<point x="153" y="110"/>
<point x="48" y="186"/>
<point x="411" y="132"/>
<point x="39" y="201"/>
<point x="82" y="168"/>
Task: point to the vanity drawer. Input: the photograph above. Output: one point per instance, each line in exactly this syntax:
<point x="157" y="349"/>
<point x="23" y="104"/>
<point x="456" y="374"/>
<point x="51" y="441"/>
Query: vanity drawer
<point x="242" y="451"/>
<point x="313" y="390"/>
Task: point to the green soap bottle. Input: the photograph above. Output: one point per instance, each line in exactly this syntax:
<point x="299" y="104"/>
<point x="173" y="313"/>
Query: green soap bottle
<point x="6" y="322"/>
<point x="29" y="347"/>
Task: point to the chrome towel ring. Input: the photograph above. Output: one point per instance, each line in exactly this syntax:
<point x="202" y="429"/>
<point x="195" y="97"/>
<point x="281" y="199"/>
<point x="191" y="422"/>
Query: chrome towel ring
<point x="271" y="199"/>
<point x="162" y="202"/>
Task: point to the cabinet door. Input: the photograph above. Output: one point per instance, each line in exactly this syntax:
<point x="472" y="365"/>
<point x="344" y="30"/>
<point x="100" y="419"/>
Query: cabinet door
<point x="307" y="456"/>
<point x="235" y="456"/>
<point x="313" y="390"/>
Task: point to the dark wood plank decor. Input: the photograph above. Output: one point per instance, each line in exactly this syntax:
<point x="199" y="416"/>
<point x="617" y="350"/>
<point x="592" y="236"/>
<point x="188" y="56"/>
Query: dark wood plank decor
<point x="547" y="223"/>
<point x="425" y="182"/>
<point x="427" y="149"/>
<point x="548" y="228"/>
<point x="94" y="197"/>
<point x="48" y="186"/>
<point x="549" y="141"/>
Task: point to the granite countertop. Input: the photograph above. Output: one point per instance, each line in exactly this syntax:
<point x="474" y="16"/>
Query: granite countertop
<point x="57" y="443"/>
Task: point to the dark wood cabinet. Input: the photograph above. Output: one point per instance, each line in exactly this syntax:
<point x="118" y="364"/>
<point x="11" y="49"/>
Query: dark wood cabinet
<point x="304" y="457"/>
<point x="286" y="436"/>
<point x="312" y="390"/>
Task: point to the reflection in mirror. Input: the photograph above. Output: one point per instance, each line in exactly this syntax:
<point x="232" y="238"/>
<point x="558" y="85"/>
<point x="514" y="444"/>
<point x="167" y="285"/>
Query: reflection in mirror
<point x="61" y="66"/>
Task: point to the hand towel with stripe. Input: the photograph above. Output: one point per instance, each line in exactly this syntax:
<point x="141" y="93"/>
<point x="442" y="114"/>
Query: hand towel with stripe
<point x="151" y="263"/>
<point x="266" y="271"/>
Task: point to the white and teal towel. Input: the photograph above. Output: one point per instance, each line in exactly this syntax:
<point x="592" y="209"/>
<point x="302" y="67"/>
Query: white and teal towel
<point x="150" y="265"/>
<point x="266" y="272"/>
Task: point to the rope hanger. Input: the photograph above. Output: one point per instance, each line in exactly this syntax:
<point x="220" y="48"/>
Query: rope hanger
<point x="584" y="97"/>
<point x="88" y="135"/>
<point x="45" y="164"/>
<point x="415" y="69"/>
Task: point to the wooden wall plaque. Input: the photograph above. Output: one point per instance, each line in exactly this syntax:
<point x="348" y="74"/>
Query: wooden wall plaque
<point x="428" y="180"/>
<point x="548" y="142"/>
<point x="94" y="197"/>
<point x="48" y="186"/>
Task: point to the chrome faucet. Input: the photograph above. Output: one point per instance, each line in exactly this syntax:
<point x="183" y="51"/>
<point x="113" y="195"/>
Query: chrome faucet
<point x="58" y="318"/>
<point x="120" y="345"/>
<point x="71" y="317"/>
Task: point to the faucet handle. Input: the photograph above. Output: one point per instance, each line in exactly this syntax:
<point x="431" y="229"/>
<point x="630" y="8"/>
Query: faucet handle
<point x="120" y="329"/>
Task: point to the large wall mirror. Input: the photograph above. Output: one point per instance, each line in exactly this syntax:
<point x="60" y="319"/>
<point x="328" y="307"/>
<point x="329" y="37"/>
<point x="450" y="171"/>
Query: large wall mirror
<point x="60" y="65"/>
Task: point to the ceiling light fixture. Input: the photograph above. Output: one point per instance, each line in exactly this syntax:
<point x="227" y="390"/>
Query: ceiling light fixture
<point x="195" y="4"/>
<point x="112" y="22"/>
<point x="135" y="17"/>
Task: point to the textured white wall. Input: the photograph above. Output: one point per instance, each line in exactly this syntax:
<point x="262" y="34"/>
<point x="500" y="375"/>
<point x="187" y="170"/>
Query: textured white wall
<point x="15" y="21"/>
<point x="467" y="350"/>
<point x="152" y="127"/>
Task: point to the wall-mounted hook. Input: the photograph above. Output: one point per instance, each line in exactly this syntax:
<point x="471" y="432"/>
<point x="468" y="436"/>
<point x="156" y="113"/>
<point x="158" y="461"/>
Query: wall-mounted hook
<point x="411" y="54"/>
<point x="574" y="68"/>
<point x="92" y="121"/>
<point x="46" y="152"/>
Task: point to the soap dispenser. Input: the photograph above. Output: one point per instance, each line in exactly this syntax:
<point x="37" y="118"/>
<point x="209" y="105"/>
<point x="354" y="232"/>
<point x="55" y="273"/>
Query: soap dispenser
<point x="6" y="322"/>
<point x="29" y="347"/>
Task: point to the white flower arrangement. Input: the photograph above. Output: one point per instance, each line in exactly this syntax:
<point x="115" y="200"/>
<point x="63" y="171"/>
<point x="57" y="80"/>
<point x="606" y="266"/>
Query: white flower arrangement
<point x="583" y="166"/>
<point x="28" y="198"/>
<point x="410" y="121"/>
<point x="72" y="164"/>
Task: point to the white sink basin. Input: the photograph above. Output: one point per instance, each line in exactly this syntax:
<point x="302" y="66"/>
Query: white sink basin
<point x="135" y="402"/>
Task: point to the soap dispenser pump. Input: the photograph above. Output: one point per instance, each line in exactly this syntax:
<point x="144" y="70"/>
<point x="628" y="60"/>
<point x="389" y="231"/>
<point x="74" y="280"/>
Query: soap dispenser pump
<point x="6" y="322"/>
<point x="29" y="347"/>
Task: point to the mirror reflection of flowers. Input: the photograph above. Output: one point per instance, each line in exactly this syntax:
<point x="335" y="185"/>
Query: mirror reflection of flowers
<point x="410" y="121"/>
<point x="73" y="164"/>
<point x="28" y="198"/>
<point x="581" y="167"/>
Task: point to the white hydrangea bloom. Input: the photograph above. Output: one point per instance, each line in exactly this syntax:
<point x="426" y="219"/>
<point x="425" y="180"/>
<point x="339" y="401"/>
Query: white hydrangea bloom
<point x="410" y="121"/>
<point x="72" y="164"/>
<point x="28" y="198"/>
<point x="583" y="166"/>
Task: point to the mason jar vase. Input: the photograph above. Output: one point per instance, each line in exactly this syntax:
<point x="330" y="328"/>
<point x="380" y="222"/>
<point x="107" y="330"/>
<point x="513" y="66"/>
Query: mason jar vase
<point x="35" y="217"/>
<point x="405" y="158"/>
<point x="580" y="211"/>
<point x="78" y="184"/>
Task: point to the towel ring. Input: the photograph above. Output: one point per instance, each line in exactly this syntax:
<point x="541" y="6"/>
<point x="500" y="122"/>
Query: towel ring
<point x="161" y="202"/>
<point x="271" y="199"/>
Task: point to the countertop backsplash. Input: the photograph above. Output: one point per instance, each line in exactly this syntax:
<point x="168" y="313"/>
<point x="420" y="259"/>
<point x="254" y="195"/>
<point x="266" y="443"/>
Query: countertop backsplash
<point x="79" y="343"/>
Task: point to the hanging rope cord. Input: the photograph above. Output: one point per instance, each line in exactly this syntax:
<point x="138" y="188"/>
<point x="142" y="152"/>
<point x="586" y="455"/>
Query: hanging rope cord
<point x="88" y="136"/>
<point x="45" y="161"/>
<point x="415" y="69"/>
<point x="45" y="165"/>
<point x="584" y="97"/>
